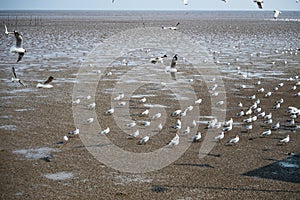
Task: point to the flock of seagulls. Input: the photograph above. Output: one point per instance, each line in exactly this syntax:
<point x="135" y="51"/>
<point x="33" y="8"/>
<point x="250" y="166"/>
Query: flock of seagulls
<point x="18" y="49"/>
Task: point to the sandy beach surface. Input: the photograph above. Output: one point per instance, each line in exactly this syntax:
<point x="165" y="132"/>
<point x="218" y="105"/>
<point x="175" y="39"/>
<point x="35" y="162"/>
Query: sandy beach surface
<point x="244" y="49"/>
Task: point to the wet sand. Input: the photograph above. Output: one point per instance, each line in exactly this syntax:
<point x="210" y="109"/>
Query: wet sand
<point x="33" y="118"/>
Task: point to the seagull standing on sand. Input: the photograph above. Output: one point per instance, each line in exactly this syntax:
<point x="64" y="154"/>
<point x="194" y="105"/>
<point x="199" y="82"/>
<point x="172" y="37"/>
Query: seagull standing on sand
<point x="15" y="78"/>
<point x="234" y="140"/>
<point x="285" y="140"/>
<point x="219" y="137"/>
<point x="105" y="131"/>
<point x="46" y="84"/>
<point x="266" y="133"/>
<point x="197" y="137"/>
<point x="144" y="140"/>
<point x="74" y="133"/>
<point x="174" y="141"/>
<point x="18" y="48"/>
<point x="134" y="134"/>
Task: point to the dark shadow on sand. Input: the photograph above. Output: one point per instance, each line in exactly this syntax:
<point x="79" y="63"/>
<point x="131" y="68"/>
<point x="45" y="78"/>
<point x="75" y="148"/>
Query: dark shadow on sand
<point x="287" y="170"/>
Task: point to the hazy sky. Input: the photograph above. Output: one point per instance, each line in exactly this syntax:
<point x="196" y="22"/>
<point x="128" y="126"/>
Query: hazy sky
<point x="145" y="5"/>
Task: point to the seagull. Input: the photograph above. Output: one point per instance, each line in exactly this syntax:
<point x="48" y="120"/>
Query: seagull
<point x="112" y="1"/>
<point x="65" y="141"/>
<point x="224" y="1"/>
<point x="261" y="90"/>
<point x="171" y="27"/>
<point x="159" y="127"/>
<point x="174" y="141"/>
<point x="75" y="102"/>
<point x="143" y="100"/>
<point x="249" y="127"/>
<point x="46" y="83"/>
<point x="134" y="134"/>
<point x="146" y="112"/>
<point x="176" y="113"/>
<point x="229" y="122"/>
<point x="220" y="137"/>
<point x="132" y="124"/>
<point x="74" y="132"/>
<point x="144" y="140"/>
<point x="173" y="69"/>
<point x="266" y="133"/>
<point x="187" y="130"/>
<point x="259" y="3"/>
<point x="185" y="2"/>
<point x="145" y="123"/>
<point x="269" y="116"/>
<point x="15" y="78"/>
<point x="18" y="48"/>
<point x="198" y="101"/>
<point x="110" y="111"/>
<point x="276" y="13"/>
<point x="234" y="140"/>
<point x="158" y="59"/>
<point x="197" y="137"/>
<point x="90" y="120"/>
<point x="92" y="105"/>
<point x="276" y="126"/>
<point x="194" y="123"/>
<point x="262" y="114"/>
<point x="105" y="131"/>
<point x="285" y="140"/>
<point x="119" y="97"/>
<point x="268" y="94"/>
<point x="156" y="116"/>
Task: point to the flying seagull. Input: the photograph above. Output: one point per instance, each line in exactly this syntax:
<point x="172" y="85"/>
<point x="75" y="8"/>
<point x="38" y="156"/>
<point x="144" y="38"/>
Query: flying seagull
<point x="276" y="13"/>
<point x="185" y="2"/>
<point x="46" y="83"/>
<point x="259" y="3"/>
<point x="18" y="48"/>
<point x="15" y="78"/>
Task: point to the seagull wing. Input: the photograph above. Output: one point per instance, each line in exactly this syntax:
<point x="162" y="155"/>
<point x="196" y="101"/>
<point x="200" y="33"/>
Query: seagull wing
<point x="49" y="80"/>
<point x="21" y="82"/>
<point x="6" y="31"/>
<point x="260" y="5"/>
<point x="20" y="56"/>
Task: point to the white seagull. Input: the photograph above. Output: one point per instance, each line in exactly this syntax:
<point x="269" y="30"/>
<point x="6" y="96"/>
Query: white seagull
<point x="197" y="137"/>
<point x="90" y="120"/>
<point x="234" y="140"/>
<point x="266" y="133"/>
<point x="91" y="106"/>
<point x="18" y="48"/>
<point x="105" y="131"/>
<point x="187" y="130"/>
<point x="144" y="140"/>
<point x="132" y="124"/>
<point x="198" y="101"/>
<point x="15" y="78"/>
<point x="46" y="84"/>
<point x="185" y="2"/>
<point x="158" y="59"/>
<point x="285" y="140"/>
<point x="75" y="132"/>
<point x="174" y="141"/>
<point x="220" y="137"/>
<point x="134" y="134"/>
<point x="156" y="116"/>
<point x="171" y="27"/>
<point x="110" y="111"/>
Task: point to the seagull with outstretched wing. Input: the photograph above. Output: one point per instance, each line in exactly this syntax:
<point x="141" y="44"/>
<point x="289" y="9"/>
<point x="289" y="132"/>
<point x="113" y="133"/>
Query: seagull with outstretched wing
<point x="18" y="48"/>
